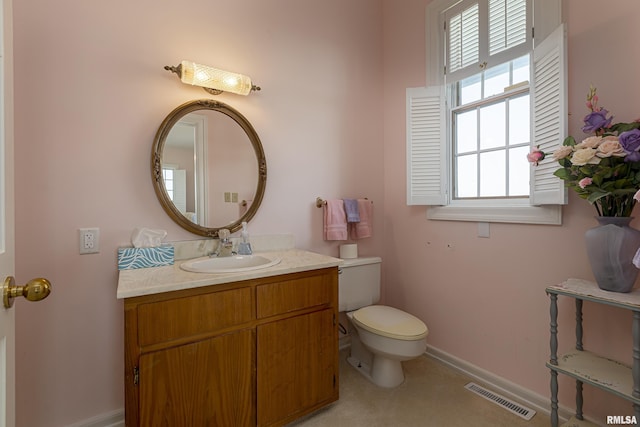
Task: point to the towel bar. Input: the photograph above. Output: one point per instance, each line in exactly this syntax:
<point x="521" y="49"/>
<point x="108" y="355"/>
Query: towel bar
<point x="321" y="202"/>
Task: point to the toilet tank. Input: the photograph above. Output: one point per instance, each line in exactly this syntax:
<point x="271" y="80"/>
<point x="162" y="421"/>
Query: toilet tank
<point x="359" y="283"/>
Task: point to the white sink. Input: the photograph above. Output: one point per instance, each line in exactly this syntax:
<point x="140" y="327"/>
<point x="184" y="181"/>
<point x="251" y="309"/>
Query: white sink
<point x="230" y="264"/>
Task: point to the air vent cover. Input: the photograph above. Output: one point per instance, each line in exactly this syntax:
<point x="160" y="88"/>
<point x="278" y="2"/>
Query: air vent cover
<point x="507" y="404"/>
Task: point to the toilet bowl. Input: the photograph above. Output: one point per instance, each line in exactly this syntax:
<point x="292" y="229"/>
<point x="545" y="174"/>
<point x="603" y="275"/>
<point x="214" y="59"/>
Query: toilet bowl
<point x="382" y="337"/>
<point x="385" y="337"/>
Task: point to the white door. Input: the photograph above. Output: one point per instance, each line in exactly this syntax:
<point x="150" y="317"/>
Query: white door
<point x="7" y="316"/>
<point x="36" y="289"/>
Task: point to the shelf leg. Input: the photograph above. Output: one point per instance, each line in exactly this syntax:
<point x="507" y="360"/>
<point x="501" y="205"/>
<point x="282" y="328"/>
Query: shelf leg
<point x="579" y="400"/>
<point x="579" y="325"/>
<point x="553" y="311"/>
<point x="636" y="361"/>
<point x="554" y="399"/>
<point x="579" y="347"/>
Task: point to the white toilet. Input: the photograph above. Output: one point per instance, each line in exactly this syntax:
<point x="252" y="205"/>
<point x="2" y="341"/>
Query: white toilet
<point x="385" y="336"/>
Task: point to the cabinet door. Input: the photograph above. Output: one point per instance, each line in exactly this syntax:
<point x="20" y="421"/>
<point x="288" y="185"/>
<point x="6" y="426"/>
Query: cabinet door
<point x="297" y="366"/>
<point x="207" y="383"/>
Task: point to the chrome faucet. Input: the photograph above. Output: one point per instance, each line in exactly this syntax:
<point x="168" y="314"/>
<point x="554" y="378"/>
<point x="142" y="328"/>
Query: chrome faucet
<point x="225" y="245"/>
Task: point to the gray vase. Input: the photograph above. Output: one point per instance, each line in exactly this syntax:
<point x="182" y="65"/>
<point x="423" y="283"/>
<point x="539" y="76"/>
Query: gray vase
<point x="611" y="247"/>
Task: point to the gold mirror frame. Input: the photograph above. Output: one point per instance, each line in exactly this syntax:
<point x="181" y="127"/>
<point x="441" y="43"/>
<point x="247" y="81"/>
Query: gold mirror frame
<point x="156" y="165"/>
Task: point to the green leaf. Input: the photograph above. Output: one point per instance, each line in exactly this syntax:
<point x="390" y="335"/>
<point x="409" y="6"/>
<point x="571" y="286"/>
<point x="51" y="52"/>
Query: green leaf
<point x="621" y="183"/>
<point x="624" y="127"/>
<point x="621" y="169"/>
<point x="562" y="173"/>
<point x="608" y="186"/>
<point x="605" y="162"/>
<point x="595" y="196"/>
<point x="586" y="170"/>
<point x="569" y="141"/>
<point x="624" y="192"/>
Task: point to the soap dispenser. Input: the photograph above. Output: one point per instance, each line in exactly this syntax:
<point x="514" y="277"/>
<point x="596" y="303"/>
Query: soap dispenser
<point x="244" y="247"/>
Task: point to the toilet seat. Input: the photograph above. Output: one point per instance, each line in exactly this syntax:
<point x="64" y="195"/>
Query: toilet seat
<point x="390" y="322"/>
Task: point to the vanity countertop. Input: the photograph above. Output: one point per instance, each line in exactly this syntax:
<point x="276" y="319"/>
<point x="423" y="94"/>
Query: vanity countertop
<point x="146" y="281"/>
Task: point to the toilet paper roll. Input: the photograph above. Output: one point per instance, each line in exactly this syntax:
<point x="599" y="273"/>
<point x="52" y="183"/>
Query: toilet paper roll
<point x="349" y="251"/>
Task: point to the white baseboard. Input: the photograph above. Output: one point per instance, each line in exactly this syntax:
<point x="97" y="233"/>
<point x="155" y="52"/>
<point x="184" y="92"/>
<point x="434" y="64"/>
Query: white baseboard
<point x="507" y="388"/>
<point x="110" y="419"/>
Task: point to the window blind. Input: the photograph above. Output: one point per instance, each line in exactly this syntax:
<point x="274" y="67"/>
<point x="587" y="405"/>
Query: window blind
<point x="481" y="34"/>
<point x="463" y="38"/>
<point x="507" y="24"/>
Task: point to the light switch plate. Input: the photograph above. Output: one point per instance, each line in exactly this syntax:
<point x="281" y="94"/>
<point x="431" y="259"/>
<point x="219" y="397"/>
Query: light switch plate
<point x="483" y="229"/>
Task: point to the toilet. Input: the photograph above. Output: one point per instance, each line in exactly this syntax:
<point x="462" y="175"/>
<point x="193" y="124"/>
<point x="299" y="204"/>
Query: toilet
<point x="382" y="337"/>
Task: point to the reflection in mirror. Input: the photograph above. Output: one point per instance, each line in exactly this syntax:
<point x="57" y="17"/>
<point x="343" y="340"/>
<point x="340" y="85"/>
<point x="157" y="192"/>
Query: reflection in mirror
<point x="208" y="167"/>
<point x="184" y="167"/>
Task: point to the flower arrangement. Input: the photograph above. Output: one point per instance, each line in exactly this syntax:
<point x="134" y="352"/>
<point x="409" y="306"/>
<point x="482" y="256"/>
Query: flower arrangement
<point x="604" y="168"/>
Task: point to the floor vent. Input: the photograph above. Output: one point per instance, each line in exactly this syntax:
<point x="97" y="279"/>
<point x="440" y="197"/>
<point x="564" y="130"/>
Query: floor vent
<point x="507" y="404"/>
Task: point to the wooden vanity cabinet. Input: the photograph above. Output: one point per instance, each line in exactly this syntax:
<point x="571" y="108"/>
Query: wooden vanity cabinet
<point x="297" y="348"/>
<point x="252" y="353"/>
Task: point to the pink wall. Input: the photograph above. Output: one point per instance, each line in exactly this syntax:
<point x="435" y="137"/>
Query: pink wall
<point x="90" y="93"/>
<point x="484" y="300"/>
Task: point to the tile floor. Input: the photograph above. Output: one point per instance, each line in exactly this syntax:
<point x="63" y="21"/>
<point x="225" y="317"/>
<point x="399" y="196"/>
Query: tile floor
<point x="433" y="395"/>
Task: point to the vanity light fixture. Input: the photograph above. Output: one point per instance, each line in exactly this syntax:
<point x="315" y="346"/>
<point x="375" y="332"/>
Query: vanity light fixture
<point x="213" y="80"/>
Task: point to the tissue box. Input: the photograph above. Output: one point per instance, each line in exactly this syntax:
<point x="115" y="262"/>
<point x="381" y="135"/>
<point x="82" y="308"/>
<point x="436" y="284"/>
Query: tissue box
<point x="131" y="258"/>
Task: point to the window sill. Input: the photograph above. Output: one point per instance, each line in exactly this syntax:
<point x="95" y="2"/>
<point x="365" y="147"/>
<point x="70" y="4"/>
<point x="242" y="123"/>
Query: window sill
<point x="548" y="215"/>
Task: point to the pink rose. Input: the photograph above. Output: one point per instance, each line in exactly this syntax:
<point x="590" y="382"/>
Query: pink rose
<point x="584" y="182"/>
<point x="637" y="196"/>
<point x="535" y="156"/>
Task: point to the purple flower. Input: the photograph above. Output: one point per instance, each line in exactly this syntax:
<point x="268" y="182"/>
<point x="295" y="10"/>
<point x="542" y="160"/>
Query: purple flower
<point x="632" y="157"/>
<point x="630" y="142"/>
<point x="596" y="120"/>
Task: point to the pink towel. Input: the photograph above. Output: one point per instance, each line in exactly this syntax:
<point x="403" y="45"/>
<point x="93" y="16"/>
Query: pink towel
<point x="364" y="228"/>
<point x="335" y="220"/>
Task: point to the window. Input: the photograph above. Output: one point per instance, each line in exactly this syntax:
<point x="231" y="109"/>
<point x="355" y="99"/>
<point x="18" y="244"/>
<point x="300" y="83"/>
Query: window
<point x="167" y="174"/>
<point x="175" y="182"/>
<point x="493" y="96"/>
<point x="491" y="132"/>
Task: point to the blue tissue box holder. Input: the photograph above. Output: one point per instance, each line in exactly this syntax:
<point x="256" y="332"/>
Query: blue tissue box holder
<point x="132" y="258"/>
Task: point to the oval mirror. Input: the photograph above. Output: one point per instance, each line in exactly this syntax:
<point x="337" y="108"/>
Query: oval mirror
<point x="208" y="167"/>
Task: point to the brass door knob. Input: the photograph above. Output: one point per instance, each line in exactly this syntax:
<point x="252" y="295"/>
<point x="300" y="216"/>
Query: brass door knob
<point x="35" y="290"/>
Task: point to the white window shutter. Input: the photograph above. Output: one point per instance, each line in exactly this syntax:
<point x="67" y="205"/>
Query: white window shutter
<point x="508" y="25"/>
<point x="180" y="189"/>
<point x="465" y="32"/>
<point x="549" y="99"/>
<point x="483" y="34"/>
<point x="426" y="146"/>
<point x="464" y="36"/>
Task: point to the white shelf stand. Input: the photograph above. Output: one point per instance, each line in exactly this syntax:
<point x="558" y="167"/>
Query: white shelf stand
<point x="587" y="367"/>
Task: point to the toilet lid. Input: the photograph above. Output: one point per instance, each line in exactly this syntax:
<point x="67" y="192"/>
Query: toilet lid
<point x="390" y="322"/>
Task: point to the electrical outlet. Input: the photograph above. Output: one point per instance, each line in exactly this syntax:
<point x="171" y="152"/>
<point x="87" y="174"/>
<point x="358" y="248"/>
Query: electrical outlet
<point x="89" y="240"/>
